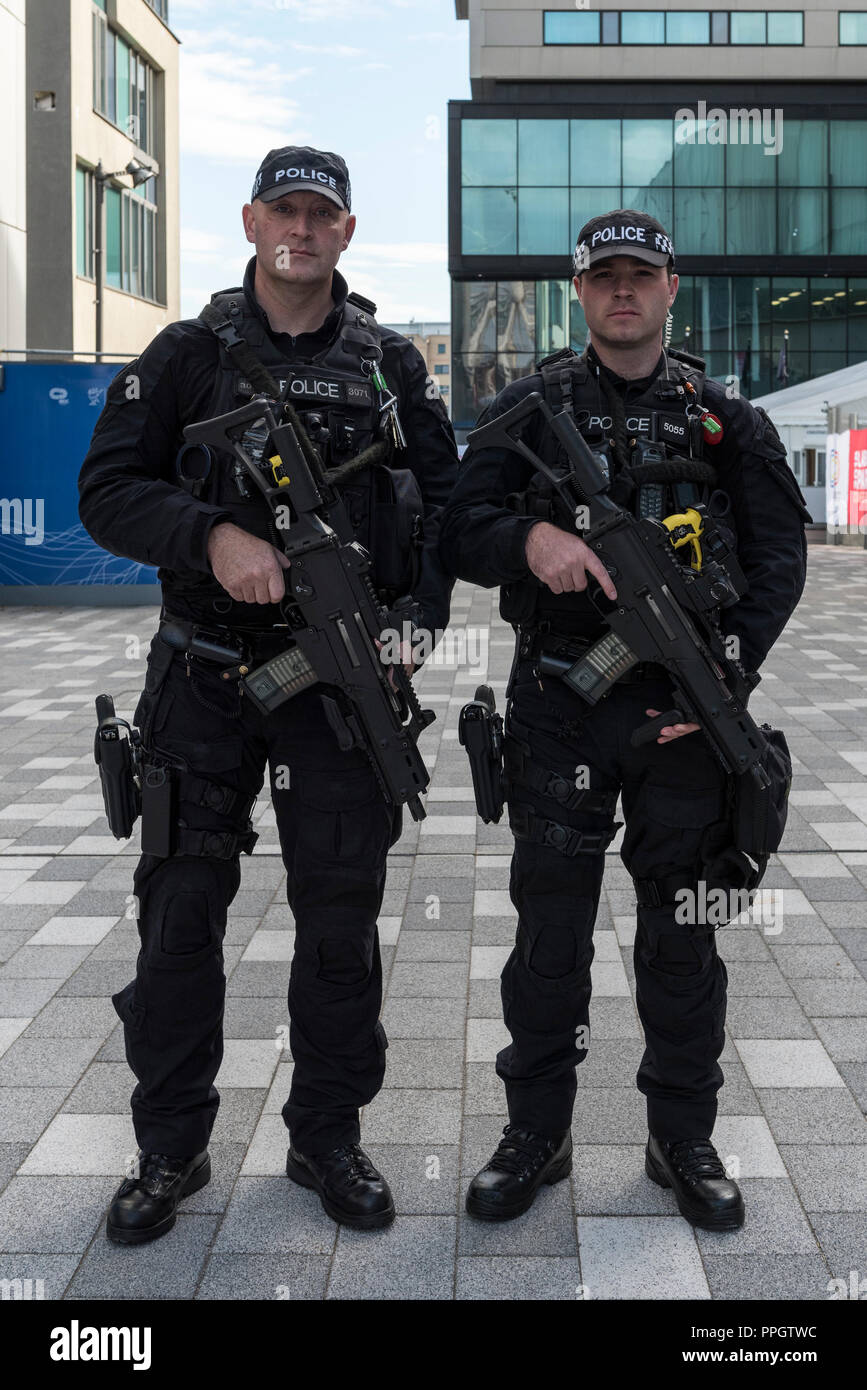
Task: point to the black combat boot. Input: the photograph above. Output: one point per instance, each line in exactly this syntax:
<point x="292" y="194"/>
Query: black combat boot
<point x="350" y="1189"/>
<point x="523" y="1161"/>
<point x="693" y="1170"/>
<point x="145" y="1207"/>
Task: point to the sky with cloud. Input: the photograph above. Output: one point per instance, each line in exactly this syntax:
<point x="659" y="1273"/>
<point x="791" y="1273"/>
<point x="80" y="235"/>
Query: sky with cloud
<point x="370" y="79"/>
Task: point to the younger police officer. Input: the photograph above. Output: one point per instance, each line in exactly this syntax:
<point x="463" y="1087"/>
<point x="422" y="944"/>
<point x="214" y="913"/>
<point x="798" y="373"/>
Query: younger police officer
<point x="626" y="394"/>
<point x="221" y="570"/>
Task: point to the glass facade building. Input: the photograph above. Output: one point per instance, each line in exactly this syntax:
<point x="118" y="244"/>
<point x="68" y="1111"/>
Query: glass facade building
<point x="763" y="193"/>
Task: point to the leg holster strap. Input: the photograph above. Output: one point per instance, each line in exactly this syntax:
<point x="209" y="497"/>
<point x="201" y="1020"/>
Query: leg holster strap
<point x="520" y="768"/>
<point x="215" y="844"/>
<point x="215" y="795"/>
<point x="526" y="825"/>
<point x="656" y="892"/>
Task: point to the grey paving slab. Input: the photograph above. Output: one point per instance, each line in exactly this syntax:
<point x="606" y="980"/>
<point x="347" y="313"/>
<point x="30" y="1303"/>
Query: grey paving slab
<point x="757" y="1278"/>
<point x="609" y="1179"/>
<point x="98" y="978"/>
<point x="407" y="1117"/>
<point x="34" y="962"/>
<point x="264" y="1277"/>
<point x="855" y="1076"/>
<point x="421" y="945"/>
<point x="26" y="1110"/>
<point x="809" y="1116"/>
<point x="750" y="1017"/>
<point x="168" y="1268"/>
<point x="105" y="1088"/>
<point x="26" y="997"/>
<point x="422" y="1018"/>
<point x="272" y="1215"/>
<point x="74" y="1018"/>
<point x="546" y="1229"/>
<point x="411" y="1259"/>
<point x="647" y="1257"/>
<point x="833" y="1178"/>
<point x="517" y="1278"/>
<point x="46" y="1061"/>
<point x="49" y="1275"/>
<point x="774" y="1221"/>
<point x="842" y="1236"/>
<point x="417" y="1063"/>
<point x="52" y="1214"/>
<point x="426" y="980"/>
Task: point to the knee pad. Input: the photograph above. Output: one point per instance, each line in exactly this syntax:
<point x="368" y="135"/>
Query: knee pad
<point x="551" y="954"/>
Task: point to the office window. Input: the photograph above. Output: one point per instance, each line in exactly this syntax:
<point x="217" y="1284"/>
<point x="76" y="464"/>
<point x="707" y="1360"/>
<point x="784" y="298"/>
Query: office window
<point x="648" y="149"/>
<point x="802" y="219"/>
<point x="686" y="27"/>
<point x="610" y="26"/>
<point x="719" y="26"/>
<point x="698" y="226"/>
<point x="489" y="221"/>
<point x="847" y="153"/>
<point x="160" y="7"/>
<point x="595" y="154"/>
<point x="571" y="28"/>
<point x="123" y="85"/>
<point x="748" y="27"/>
<point x="84" y="214"/>
<point x="543" y="222"/>
<point x="441" y="347"/>
<point x="642" y="26"/>
<point x="543" y="152"/>
<point x="853" y="27"/>
<point x="848" y="220"/>
<point x="440" y="370"/>
<point x="785" y="27"/>
<point x="130" y="242"/>
<point x="750" y="222"/>
<point x="489" y="152"/>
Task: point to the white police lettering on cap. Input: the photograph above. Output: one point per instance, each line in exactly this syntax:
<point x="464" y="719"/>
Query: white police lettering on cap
<point x="622" y="233"/>
<point x="308" y="175"/>
<point x="581" y="259"/>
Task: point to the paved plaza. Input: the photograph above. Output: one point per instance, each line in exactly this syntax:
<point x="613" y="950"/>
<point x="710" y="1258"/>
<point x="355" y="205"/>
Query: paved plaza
<point x="791" y="1121"/>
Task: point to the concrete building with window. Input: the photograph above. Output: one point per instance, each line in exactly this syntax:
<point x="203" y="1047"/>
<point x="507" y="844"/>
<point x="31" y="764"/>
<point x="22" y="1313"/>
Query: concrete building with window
<point x="434" y="342"/>
<point x="98" y="82"/>
<point x="744" y="132"/>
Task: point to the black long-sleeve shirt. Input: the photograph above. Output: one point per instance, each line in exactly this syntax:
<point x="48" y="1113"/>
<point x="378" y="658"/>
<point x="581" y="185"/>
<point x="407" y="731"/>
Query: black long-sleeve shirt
<point x="132" y="505"/>
<point x="482" y="540"/>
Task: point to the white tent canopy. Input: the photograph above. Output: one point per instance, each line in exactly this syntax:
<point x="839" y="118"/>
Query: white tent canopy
<point x="802" y="404"/>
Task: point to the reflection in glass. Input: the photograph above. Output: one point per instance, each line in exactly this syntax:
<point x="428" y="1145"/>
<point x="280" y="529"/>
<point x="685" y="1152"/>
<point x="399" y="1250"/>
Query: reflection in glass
<point x="571" y="28"/>
<point x="474" y="316"/>
<point x="849" y="221"/>
<point x="489" y="221"/>
<point x="785" y="26"/>
<point x="848" y="139"/>
<point x="474" y="386"/>
<point x="748" y="27"/>
<point x="595" y="152"/>
<point x="802" y="221"/>
<point x="683" y="26"/>
<point x="700" y="164"/>
<point x="543" y="152"/>
<point x="647" y="151"/>
<point x="803" y="159"/>
<point x="543" y="222"/>
<point x="552" y="311"/>
<point x="489" y="152"/>
<point x="750" y="222"/>
<point x="656" y="202"/>
<point x="642" y="26"/>
<point x="516" y="326"/>
<point x="698" y="221"/>
<point x="591" y="202"/>
<point x="747" y="165"/>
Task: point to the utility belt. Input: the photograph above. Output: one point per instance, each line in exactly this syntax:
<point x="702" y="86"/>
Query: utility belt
<point x="535" y="642"/>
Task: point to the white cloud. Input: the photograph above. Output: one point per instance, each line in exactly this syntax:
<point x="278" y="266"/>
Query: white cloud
<point x="339" y="50"/>
<point x="202" y="248"/>
<point x="233" y="107"/>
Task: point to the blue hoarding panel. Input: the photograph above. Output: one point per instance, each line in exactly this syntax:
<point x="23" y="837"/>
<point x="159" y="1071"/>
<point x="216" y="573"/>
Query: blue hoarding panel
<point x="47" y="414"/>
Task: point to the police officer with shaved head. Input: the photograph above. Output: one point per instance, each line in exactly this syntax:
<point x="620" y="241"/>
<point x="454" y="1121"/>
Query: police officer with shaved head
<point x="670" y="438"/>
<point x="352" y="382"/>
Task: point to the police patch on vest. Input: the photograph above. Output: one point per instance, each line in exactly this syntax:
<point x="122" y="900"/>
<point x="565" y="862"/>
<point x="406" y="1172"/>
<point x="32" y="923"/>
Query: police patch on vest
<point x="310" y="387"/>
<point x="672" y="428"/>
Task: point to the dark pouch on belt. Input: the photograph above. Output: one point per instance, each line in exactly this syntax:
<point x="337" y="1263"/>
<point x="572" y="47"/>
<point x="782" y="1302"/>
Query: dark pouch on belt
<point x="157" y="811"/>
<point x="760" y="812"/>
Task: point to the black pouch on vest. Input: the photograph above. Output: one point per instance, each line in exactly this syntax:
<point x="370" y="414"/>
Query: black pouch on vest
<point x="760" y="812"/>
<point x="398" y="529"/>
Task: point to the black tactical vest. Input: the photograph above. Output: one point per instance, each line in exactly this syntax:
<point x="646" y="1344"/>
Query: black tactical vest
<point x="338" y="405"/>
<point x="670" y="468"/>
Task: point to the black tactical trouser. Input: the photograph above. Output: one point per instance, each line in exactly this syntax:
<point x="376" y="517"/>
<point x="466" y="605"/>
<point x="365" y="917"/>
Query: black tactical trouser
<point x="335" y="831"/>
<point x="673" y="801"/>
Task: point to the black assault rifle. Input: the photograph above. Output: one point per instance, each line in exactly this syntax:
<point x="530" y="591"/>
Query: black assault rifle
<point x="664" y="613"/>
<point x="331" y="607"/>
